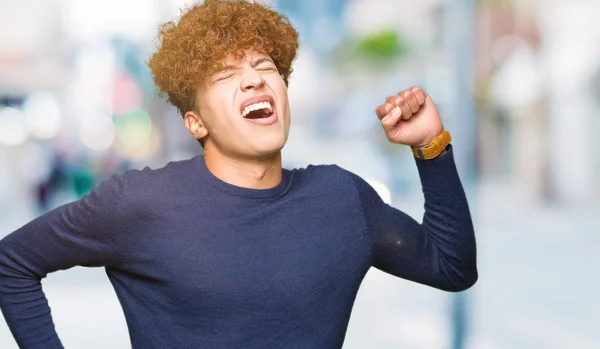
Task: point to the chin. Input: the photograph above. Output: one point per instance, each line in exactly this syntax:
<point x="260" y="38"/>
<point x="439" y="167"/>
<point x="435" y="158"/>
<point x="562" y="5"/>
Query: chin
<point x="269" y="148"/>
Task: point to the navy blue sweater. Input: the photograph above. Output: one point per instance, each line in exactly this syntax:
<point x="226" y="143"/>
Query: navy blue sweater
<point x="199" y="263"/>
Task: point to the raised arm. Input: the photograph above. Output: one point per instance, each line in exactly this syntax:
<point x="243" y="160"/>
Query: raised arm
<point x="440" y="252"/>
<point x="80" y="233"/>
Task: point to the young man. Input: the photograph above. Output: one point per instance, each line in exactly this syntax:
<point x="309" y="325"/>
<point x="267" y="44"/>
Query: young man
<point x="229" y="250"/>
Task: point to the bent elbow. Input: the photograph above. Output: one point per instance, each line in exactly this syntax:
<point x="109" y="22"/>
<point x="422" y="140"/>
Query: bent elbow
<point x="464" y="283"/>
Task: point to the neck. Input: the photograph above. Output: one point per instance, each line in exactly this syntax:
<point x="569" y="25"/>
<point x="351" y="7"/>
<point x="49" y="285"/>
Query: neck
<point x="246" y="173"/>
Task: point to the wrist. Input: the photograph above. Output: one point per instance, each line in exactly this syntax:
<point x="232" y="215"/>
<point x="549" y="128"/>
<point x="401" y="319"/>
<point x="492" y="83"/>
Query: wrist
<point x="434" y="148"/>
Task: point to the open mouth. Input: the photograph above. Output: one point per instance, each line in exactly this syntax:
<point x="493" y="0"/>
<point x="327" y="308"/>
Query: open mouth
<point x="260" y="110"/>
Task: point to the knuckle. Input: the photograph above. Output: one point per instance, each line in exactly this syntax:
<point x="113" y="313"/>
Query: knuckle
<point x="384" y="110"/>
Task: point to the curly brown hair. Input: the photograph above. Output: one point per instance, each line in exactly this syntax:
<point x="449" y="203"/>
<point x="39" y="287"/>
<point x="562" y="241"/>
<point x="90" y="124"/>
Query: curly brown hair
<point x="193" y="49"/>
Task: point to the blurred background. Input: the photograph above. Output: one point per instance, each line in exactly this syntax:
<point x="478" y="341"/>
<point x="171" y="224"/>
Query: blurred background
<point x="517" y="83"/>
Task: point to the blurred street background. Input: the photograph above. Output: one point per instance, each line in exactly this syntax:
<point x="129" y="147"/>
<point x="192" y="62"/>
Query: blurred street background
<point x="518" y="86"/>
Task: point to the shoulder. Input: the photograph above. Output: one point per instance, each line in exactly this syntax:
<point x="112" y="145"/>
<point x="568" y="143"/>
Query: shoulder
<point x="148" y="177"/>
<point x="330" y="176"/>
<point x="147" y="184"/>
<point x="325" y="174"/>
<point x="334" y="178"/>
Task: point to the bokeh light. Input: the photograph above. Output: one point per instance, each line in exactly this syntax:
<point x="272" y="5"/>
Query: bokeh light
<point x="13" y="129"/>
<point x="98" y="135"/>
<point x="43" y="115"/>
<point x="135" y="135"/>
<point x="384" y="192"/>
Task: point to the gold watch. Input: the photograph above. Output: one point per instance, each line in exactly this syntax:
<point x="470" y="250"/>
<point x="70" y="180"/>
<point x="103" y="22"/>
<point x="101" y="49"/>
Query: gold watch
<point x="434" y="148"/>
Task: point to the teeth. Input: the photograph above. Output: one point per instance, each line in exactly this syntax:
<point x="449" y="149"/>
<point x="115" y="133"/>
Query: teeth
<point x="256" y="106"/>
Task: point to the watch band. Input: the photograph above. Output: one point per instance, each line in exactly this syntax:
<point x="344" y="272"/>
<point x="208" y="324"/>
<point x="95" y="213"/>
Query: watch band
<point x="433" y="149"/>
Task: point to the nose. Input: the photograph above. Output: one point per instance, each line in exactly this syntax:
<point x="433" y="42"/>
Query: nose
<point x="251" y="79"/>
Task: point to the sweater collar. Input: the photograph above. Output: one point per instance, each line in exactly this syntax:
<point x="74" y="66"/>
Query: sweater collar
<point x="274" y="192"/>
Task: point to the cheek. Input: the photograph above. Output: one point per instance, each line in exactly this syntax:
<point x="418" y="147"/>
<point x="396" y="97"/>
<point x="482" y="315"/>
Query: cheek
<point x="219" y="108"/>
<point x="281" y="91"/>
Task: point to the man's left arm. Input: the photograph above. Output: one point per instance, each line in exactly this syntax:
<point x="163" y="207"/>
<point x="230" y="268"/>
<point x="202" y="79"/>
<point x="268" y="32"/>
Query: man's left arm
<point x="440" y="251"/>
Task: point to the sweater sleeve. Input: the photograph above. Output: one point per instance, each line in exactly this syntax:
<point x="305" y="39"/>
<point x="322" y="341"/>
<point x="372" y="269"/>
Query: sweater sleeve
<point x="440" y="252"/>
<point x="79" y="233"/>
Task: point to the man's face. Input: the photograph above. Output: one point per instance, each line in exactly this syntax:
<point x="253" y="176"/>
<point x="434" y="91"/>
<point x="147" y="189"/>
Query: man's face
<point x="244" y="108"/>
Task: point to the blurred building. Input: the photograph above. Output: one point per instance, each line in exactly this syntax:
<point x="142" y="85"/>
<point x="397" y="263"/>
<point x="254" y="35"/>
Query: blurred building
<point x="535" y="68"/>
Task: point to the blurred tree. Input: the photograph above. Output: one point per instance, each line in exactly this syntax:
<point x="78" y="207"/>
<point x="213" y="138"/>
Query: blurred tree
<point x="383" y="45"/>
<point x="378" y="50"/>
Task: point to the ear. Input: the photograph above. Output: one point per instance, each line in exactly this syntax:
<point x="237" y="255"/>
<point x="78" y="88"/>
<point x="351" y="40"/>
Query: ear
<point x="195" y="125"/>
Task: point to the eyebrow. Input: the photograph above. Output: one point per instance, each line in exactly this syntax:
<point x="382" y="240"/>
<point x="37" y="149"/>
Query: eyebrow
<point x="252" y="64"/>
<point x="261" y="60"/>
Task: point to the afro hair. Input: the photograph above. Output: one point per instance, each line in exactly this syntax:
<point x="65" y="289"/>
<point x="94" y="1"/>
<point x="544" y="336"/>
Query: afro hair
<point x="190" y="51"/>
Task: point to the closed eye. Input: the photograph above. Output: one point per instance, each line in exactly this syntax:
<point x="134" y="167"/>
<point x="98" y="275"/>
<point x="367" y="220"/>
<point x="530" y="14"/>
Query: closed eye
<point x="267" y="67"/>
<point x="223" y="77"/>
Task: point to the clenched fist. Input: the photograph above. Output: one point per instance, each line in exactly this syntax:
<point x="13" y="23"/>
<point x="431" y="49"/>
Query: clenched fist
<point x="410" y="118"/>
